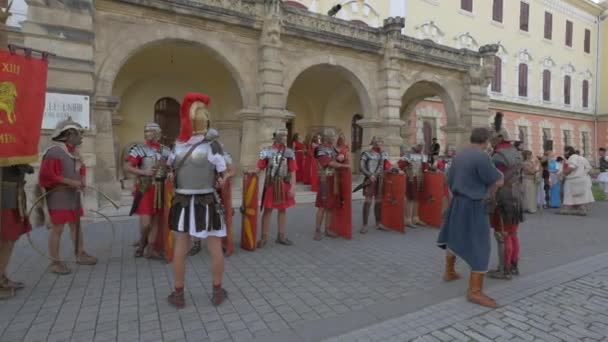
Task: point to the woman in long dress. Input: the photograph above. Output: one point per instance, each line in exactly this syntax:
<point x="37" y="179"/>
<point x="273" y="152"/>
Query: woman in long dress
<point x="300" y="151"/>
<point x="577" y="188"/>
<point x="530" y="176"/>
<point x="555" y="183"/>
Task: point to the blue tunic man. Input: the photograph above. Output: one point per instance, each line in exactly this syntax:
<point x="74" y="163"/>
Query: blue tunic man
<point x="465" y="232"/>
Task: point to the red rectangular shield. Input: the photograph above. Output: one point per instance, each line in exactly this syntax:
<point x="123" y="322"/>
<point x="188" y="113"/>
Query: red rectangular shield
<point x="249" y="210"/>
<point x="22" y="97"/>
<point x="341" y="217"/>
<point x="393" y="202"/>
<point x="431" y="203"/>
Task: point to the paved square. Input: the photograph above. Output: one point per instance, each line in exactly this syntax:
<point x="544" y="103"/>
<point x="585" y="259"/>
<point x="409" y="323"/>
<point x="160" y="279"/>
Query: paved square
<point x="308" y="292"/>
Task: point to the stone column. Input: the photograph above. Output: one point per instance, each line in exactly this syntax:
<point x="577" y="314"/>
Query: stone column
<point x="106" y="160"/>
<point x="388" y="122"/>
<point x="259" y="124"/>
<point x="476" y="108"/>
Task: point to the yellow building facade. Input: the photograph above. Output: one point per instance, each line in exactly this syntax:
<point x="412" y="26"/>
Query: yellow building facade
<point x="533" y="33"/>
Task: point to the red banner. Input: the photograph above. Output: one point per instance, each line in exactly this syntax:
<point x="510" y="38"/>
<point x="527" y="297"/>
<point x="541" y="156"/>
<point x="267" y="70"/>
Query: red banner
<point x="22" y="96"/>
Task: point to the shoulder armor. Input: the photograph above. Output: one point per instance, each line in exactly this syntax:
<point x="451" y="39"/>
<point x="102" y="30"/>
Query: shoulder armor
<point x="289" y="153"/>
<point x="365" y="155"/>
<point x="323" y="151"/>
<point x="384" y="155"/>
<point x="266" y="153"/>
<point x="228" y="158"/>
<point x="136" y="151"/>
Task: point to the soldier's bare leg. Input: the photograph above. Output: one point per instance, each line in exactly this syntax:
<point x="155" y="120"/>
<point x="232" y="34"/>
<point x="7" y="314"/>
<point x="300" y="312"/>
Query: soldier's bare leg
<point x="145" y="224"/>
<point x="282" y="222"/>
<point x="82" y="258"/>
<point x="378" y="213"/>
<point x="57" y="266"/>
<point x="367" y="205"/>
<point x="327" y="218"/>
<point x="318" y="222"/>
<point x="266" y="215"/>
<point x="151" y="252"/>
<point x="182" y="243"/>
<point x="6" y="249"/>
<point x="416" y="219"/>
<point x="214" y="246"/>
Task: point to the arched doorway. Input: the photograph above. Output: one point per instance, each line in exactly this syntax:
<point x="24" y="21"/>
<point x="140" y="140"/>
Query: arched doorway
<point x="166" y="114"/>
<point x="326" y="96"/>
<point x="426" y="107"/>
<point x="156" y="77"/>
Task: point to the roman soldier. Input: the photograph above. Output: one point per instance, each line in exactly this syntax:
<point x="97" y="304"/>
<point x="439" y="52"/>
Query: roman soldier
<point x="279" y="185"/>
<point x="13" y="221"/>
<point x="507" y="202"/>
<point x="314" y="177"/>
<point x="373" y="163"/>
<point x="197" y="167"/>
<point x="230" y="172"/>
<point x="414" y="163"/>
<point x="328" y="196"/>
<point x="148" y="162"/>
<point x="62" y="176"/>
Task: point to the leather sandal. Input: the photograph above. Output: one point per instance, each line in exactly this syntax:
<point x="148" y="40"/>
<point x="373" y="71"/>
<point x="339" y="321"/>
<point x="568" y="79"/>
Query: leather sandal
<point x="84" y="259"/>
<point x="318" y="236"/>
<point x="177" y="299"/>
<point x="283" y="240"/>
<point x="6" y="283"/>
<point x="363" y="230"/>
<point x="331" y="234"/>
<point x="263" y="241"/>
<point x="219" y="296"/>
<point x="60" y="268"/>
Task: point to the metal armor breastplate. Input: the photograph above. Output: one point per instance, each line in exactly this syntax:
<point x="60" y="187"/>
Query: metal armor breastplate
<point x="197" y="174"/>
<point x="374" y="160"/>
<point x="277" y="163"/>
<point x="331" y="153"/>
<point x="151" y="158"/>
<point x="415" y="160"/>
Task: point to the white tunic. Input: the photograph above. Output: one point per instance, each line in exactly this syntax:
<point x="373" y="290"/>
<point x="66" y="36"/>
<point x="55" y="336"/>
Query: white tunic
<point x="577" y="187"/>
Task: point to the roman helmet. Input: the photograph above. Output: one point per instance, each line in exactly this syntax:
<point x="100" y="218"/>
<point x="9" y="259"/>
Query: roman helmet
<point x="154" y="127"/>
<point x="194" y="115"/>
<point x="499" y="133"/>
<point x="64" y="126"/>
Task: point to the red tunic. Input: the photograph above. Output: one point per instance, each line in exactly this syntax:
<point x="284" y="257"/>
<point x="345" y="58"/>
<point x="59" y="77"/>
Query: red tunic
<point x="51" y="175"/>
<point x="331" y="199"/>
<point x="299" y="148"/>
<point x="269" y="197"/>
<point x="146" y="206"/>
<point x="12" y="225"/>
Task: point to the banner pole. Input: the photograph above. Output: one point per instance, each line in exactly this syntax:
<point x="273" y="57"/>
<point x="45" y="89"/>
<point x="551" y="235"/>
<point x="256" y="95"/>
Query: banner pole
<point x="3" y="46"/>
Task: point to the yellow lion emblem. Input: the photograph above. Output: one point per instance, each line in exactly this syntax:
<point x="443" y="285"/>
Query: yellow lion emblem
<point x="8" y="95"/>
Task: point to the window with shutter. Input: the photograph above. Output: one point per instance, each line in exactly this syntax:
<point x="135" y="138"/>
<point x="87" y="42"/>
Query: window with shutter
<point x="586" y="143"/>
<point x="548" y="25"/>
<point x="585" y="94"/>
<point x="567" y="138"/>
<point x="466" y="5"/>
<point x="497" y="11"/>
<point x="523" y="80"/>
<point x="546" y="85"/>
<point x="569" y="33"/>
<point x="524" y="16"/>
<point x="567" y="81"/>
<point x="497" y="81"/>
<point x="587" y="41"/>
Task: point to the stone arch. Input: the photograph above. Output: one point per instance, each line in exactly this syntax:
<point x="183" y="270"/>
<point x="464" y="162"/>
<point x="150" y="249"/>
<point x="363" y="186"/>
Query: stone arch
<point x="355" y="75"/>
<point x="124" y="50"/>
<point x="428" y="87"/>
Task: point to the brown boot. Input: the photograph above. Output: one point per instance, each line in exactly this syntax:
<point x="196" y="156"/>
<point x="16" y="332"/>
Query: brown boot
<point x="475" y="295"/>
<point x="177" y="299"/>
<point x="219" y="295"/>
<point x="450" y="271"/>
<point x="7" y="293"/>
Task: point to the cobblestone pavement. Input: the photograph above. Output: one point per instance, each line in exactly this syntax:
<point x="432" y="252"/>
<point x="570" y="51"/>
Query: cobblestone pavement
<point x="570" y="311"/>
<point x="309" y="292"/>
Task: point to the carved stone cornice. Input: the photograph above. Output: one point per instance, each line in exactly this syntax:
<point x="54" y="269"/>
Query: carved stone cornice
<point x="317" y="27"/>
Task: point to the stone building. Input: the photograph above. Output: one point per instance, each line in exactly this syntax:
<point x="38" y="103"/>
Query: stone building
<point x="265" y="64"/>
